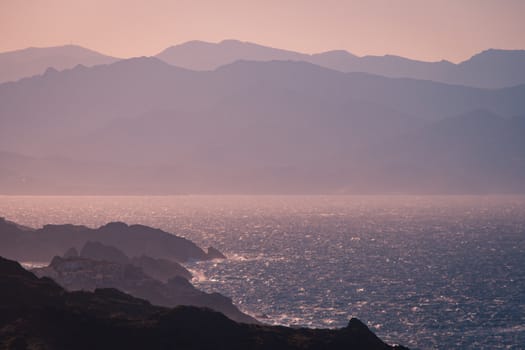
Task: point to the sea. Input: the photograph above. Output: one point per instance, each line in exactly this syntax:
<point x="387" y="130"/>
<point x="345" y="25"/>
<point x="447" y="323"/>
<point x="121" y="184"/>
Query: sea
<point x="427" y="272"/>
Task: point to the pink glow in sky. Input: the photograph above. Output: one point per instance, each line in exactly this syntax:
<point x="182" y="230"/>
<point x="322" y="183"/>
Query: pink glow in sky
<point x="419" y="29"/>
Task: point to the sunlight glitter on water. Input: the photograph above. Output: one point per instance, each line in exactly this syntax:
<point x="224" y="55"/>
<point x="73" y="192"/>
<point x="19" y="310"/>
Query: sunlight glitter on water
<point x="426" y="272"/>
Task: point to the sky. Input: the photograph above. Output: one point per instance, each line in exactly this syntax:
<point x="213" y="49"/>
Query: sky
<point x="428" y="30"/>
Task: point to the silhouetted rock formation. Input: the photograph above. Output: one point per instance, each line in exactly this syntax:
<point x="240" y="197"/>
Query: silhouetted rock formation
<point x="134" y="240"/>
<point x="99" y="251"/>
<point x="161" y="269"/>
<point x="215" y="254"/>
<point x="39" y="314"/>
<point x="85" y="274"/>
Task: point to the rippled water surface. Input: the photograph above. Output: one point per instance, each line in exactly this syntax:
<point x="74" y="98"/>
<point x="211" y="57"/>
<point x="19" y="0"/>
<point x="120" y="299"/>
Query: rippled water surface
<point x="427" y="272"/>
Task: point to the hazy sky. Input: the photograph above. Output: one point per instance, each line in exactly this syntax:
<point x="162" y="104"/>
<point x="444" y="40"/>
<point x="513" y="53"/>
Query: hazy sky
<point x="420" y="29"/>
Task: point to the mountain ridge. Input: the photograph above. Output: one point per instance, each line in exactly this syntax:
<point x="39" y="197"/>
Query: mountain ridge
<point x="490" y="68"/>
<point x="145" y="126"/>
<point x="18" y="64"/>
<point x="462" y="73"/>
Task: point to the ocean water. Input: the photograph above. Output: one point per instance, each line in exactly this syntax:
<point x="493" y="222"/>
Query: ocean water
<point x="427" y="272"/>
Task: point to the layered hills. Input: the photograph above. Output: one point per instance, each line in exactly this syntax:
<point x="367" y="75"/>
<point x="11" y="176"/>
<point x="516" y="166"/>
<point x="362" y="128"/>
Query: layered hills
<point x="143" y="126"/>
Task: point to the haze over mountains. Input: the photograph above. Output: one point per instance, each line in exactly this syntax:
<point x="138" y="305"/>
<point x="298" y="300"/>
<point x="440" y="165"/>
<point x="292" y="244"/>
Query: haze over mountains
<point x="274" y="124"/>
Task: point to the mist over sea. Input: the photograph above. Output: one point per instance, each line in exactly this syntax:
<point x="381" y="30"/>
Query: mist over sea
<point x="428" y="272"/>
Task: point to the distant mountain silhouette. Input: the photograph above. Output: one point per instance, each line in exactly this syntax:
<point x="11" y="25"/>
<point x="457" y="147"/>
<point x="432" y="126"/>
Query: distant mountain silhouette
<point x="38" y="313"/>
<point x="488" y="69"/>
<point x="143" y="126"/>
<point x="200" y="55"/>
<point x="492" y="68"/>
<point x="67" y="103"/>
<point x="15" y="65"/>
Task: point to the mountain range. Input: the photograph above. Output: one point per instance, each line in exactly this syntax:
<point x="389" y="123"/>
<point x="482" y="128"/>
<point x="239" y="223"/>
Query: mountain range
<point x="492" y="68"/>
<point x="488" y="69"/>
<point x="145" y="126"/>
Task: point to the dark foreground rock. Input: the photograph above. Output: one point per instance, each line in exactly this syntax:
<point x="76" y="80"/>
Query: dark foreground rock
<point x="79" y="273"/>
<point x="37" y="313"/>
<point x="25" y="244"/>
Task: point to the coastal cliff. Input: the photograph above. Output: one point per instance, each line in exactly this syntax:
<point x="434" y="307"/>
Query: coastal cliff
<point x="37" y="313"/>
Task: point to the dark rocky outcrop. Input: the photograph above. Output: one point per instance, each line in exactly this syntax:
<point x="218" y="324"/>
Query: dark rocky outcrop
<point x="215" y="254"/>
<point x="159" y="269"/>
<point x="134" y="240"/>
<point x="85" y="274"/>
<point x="102" y="252"/>
<point x="37" y="313"/>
